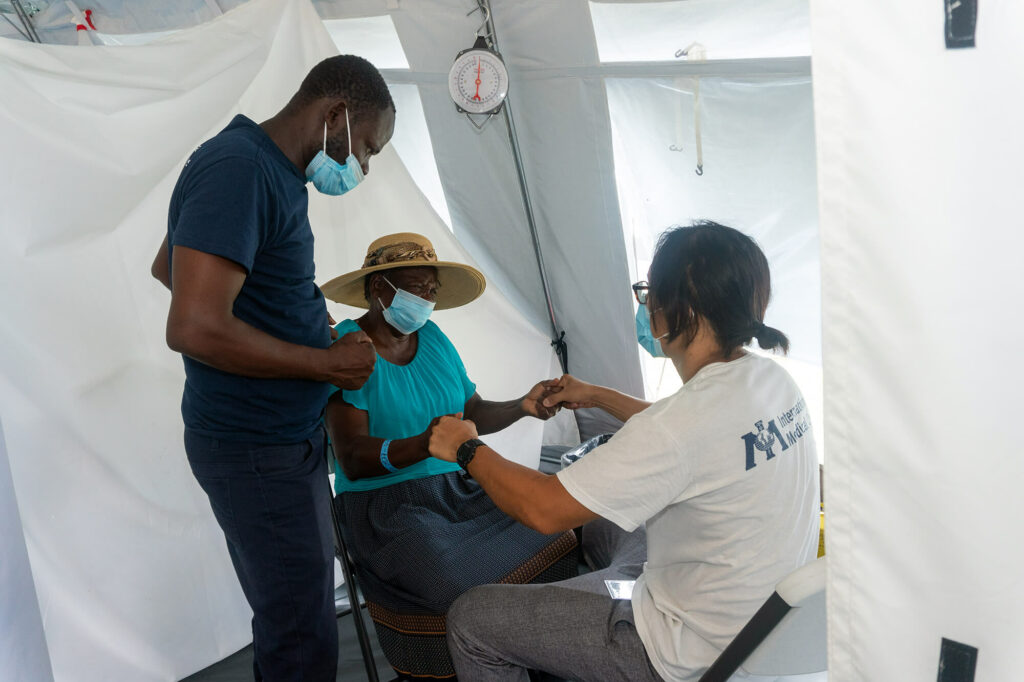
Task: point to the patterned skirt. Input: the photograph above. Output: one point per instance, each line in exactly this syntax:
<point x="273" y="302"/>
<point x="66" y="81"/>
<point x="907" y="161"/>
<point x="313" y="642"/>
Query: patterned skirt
<point x="418" y="545"/>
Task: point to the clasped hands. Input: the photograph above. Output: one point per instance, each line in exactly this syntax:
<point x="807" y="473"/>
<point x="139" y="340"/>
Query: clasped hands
<point x="445" y="434"/>
<point x="547" y="397"/>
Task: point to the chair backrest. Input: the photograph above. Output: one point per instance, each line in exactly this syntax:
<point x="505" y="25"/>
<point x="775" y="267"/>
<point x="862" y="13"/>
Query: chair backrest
<point x="798" y="644"/>
<point x="787" y="634"/>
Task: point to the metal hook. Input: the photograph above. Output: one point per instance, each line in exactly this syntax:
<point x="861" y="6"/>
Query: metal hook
<point x="479" y="126"/>
<point x="480" y="7"/>
<point x="700" y="170"/>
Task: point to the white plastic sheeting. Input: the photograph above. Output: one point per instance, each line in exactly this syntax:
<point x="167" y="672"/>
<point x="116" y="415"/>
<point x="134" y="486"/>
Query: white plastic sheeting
<point x="372" y="38"/>
<point x="133" y="579"/>
<point x="23" y="644"/>
<point x="728" y="29"/>
<point x="919" y="152"/>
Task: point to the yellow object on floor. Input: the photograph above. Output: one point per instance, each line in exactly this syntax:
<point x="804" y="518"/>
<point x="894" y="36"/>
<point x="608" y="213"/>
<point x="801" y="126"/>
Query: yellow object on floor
<point x="821" y="536"/>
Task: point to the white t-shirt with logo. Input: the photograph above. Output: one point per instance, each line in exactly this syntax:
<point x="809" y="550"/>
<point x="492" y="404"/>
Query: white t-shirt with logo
<point x="725" y="475"/>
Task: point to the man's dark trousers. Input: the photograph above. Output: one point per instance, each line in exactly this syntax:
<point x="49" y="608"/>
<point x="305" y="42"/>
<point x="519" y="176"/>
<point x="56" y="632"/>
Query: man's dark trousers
<point x="273" y="503"/>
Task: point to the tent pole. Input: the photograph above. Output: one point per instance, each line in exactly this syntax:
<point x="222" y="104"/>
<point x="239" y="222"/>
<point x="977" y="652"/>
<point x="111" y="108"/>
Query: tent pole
<point x="15" y="26"/>
<point x="558" y="335"/>
<point x="26" y="21"/>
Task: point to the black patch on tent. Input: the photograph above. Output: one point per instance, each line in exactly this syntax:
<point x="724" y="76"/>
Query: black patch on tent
<point x="957" y="661"/>
<point x="961" y="18"/>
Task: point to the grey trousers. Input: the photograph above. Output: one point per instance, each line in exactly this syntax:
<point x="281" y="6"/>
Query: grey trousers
<point x="571" y="629"/>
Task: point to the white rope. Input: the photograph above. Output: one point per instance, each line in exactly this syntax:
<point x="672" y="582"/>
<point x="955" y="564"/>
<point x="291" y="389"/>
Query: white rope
<point x="696" y="126"/>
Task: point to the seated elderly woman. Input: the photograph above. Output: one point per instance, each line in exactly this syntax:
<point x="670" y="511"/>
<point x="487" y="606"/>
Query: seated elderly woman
<point x="723" y="475"/>
<point x="420" y="532"/>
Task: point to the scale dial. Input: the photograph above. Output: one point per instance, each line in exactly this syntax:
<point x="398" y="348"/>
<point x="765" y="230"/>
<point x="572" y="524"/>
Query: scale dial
<point x="478" y="82"/>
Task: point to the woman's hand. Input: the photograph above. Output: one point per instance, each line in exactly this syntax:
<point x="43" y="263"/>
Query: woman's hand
<point x="533" y="402"/>
<point x="448" y="434"/>
<point x="569" y="392"/>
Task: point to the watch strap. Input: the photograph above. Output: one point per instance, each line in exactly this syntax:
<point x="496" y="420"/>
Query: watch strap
<point x="464" y="455"/>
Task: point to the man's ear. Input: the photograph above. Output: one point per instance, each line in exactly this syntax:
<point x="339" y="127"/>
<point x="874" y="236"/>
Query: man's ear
<point x="335" y="114"/>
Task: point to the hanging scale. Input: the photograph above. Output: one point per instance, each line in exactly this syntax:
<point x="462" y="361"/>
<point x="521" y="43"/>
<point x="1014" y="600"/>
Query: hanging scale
<point x="478" y="80"/>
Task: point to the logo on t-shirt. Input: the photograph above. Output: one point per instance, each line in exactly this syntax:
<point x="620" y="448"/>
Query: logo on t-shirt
<point x="794" y="422"/>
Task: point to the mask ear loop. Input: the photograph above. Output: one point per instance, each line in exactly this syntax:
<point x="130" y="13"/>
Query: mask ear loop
<point x="382" y="276"/>
<point x="348" y="130"/>
<point x="650" y="322"/>
<point x="325" y="137"/>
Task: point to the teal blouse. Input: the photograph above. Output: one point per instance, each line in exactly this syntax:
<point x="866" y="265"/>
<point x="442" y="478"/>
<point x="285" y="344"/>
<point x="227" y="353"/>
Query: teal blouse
<point x="401" y="400"/>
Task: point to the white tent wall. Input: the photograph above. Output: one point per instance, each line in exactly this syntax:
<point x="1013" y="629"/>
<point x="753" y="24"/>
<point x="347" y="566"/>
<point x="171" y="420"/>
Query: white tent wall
<point x="23" y="654"/>
<point x="131" y="570"/>
<point x="919" y="183"/>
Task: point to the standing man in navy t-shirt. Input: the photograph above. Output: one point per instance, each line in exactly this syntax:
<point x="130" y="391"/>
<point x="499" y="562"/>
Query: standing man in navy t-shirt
<point x="253" y="329"/>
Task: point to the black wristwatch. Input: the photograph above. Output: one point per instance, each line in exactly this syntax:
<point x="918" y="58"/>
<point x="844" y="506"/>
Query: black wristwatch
<point x="467" y="451"/>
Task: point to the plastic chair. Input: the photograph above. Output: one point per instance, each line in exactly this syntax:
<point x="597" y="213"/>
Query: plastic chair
<point x="785" y="639"/>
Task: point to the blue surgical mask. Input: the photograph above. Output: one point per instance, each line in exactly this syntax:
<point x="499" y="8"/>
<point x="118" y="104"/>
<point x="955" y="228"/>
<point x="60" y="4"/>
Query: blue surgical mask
<point x="331" y="177"/>
<point x="407" y="312"/>
<point x="644" y="334"/>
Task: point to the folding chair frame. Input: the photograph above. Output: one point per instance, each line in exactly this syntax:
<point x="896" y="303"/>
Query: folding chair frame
<point x="347" y="570"/>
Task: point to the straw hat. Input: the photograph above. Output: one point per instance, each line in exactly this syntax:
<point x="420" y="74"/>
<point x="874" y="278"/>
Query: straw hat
<point x="460" y="283"/>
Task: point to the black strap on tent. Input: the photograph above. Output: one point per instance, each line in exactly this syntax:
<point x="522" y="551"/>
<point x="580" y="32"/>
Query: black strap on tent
<point x="562" y="351"/>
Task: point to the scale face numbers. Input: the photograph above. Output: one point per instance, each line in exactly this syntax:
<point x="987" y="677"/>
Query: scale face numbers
<point x="478" y="82"/>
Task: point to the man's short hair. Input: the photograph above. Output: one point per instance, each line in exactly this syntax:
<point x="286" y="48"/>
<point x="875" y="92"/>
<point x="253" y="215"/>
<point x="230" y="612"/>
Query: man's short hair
<point x="350" y="77"/>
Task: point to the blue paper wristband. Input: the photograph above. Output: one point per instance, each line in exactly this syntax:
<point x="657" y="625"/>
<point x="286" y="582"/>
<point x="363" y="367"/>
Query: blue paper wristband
<point x="384" y="461"/>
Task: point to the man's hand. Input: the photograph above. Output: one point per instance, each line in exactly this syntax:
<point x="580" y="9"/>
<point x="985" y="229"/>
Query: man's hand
<point x="569" y="392"/>
<point x="533" y="402"/>
<point x="425" y="436"/>
<point x="350" y="360"/>
<point x="448" y="434"/>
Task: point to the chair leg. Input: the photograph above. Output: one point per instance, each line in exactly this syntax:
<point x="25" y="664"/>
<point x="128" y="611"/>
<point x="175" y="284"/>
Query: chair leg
<point x="353" y="599"/>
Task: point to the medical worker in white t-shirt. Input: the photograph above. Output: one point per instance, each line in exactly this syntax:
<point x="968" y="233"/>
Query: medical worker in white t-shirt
<point x="723" y="474"/>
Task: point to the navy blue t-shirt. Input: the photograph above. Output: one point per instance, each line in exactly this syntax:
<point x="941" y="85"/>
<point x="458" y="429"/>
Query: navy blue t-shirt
<point x="241" y="198"/>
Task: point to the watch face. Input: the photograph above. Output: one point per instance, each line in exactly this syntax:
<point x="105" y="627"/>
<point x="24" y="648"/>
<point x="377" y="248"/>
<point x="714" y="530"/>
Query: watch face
<point x="478" y="81"/>
<point x="466" y="452"/>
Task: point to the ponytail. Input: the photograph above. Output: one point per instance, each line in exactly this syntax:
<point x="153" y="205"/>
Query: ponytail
<point x="770" y="338"/>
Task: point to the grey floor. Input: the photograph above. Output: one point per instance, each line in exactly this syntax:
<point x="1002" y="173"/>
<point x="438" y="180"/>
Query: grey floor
<point x="238" y="666"/>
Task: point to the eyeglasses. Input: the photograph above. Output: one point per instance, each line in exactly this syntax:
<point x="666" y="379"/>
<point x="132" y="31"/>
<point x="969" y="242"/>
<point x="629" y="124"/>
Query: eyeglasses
<point x="640" y="290"/>
<point x="427" y="291"/>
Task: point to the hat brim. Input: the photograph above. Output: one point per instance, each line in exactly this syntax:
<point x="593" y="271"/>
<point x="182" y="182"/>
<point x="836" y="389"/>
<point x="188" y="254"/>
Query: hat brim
<point x="460" y="284"/>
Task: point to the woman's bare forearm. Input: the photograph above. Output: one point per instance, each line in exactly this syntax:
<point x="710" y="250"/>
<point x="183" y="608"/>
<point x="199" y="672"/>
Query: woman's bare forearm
<point x="619" y="405"/>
